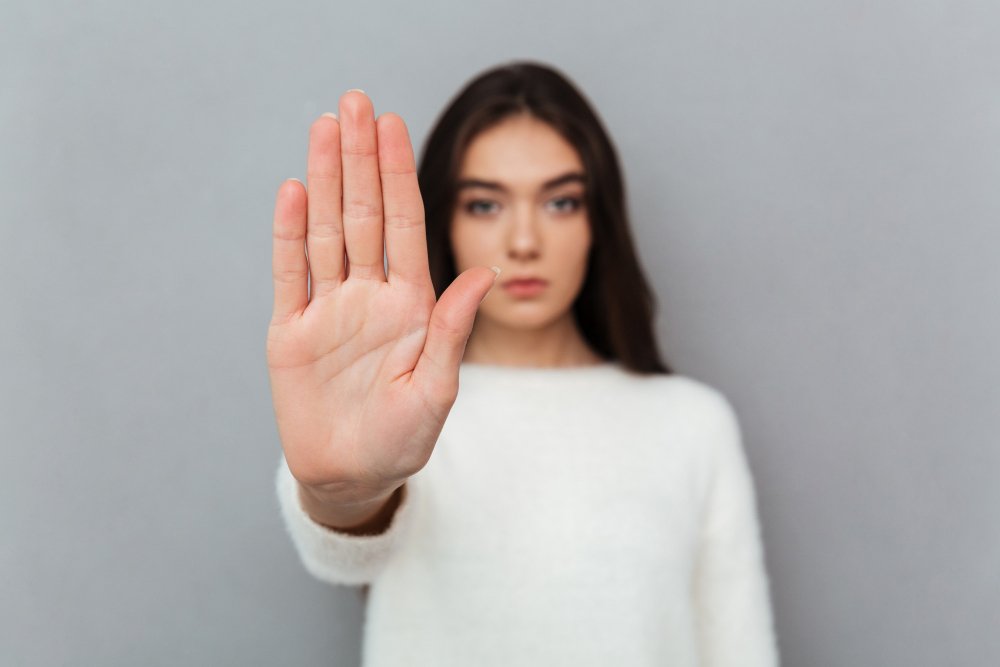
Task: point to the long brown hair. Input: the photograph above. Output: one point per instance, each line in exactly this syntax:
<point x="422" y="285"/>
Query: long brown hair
<point x="615" y="307"/>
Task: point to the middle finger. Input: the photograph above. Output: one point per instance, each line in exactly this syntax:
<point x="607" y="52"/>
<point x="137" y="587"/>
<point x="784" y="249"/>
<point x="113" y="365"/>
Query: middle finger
<point x="362" y="188"/>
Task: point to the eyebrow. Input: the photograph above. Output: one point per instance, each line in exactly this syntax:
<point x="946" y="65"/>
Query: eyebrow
<point x="569" y="177"/>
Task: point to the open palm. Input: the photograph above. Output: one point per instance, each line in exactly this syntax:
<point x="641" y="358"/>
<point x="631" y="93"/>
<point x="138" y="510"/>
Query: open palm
<point x="363" y="363"/>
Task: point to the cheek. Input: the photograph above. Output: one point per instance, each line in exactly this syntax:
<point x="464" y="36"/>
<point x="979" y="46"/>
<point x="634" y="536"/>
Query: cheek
<point x="469" y="244"/>
<point x="460" y="243"/>
<point x="576" y="249"/>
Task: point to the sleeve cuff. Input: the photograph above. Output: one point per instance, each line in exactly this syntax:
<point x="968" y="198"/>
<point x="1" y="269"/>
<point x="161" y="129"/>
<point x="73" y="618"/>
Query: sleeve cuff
<point x="331" y="556"/>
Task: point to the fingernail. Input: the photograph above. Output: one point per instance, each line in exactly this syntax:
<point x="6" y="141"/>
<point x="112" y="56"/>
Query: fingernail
<point x="294" y="179"/>
<point x="496" y="274"/>
<point x="330" y="114"/>
<point x="355" y="90"/>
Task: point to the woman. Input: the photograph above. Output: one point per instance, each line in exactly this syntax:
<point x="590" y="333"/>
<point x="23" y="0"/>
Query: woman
<point x="583" y="504"/>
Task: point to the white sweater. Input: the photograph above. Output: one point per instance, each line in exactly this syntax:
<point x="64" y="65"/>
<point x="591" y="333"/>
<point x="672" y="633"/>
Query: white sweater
<point x="567" y="516"/>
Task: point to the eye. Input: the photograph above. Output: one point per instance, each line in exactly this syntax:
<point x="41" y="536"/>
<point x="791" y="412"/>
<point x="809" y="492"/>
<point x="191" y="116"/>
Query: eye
<point x="480" y="207"/>
<point x="566" y="204"/>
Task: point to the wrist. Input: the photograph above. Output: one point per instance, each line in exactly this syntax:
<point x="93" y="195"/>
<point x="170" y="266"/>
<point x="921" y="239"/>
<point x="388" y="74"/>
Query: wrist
<point x="355" y="512"/>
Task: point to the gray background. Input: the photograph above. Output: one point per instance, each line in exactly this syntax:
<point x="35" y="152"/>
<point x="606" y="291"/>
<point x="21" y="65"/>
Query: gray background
<point x="815" y="190"/>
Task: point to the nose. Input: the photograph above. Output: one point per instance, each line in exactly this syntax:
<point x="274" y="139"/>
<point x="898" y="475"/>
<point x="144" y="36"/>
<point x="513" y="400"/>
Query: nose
<point x="524" y="242"/>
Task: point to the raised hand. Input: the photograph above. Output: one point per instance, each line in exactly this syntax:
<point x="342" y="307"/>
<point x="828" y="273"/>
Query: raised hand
<point x="363" y="364"/>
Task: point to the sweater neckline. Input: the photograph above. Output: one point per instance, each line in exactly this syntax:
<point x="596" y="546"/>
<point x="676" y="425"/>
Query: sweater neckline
<point x="535" y="371"/>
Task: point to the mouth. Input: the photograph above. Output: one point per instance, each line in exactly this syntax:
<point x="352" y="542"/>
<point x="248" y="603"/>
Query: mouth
<point x="525" y="287"/>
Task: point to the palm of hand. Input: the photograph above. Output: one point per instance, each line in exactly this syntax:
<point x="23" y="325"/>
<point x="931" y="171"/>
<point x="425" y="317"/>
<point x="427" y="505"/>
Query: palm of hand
<point x="364" y="369"/>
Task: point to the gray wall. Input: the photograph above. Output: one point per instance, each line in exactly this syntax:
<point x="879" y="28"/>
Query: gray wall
<point x="814" y="187"/>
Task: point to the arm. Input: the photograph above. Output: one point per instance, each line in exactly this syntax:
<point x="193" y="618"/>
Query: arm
<point x="731" y="588"/>
<point x="352" y="343"/>
<point x="349" y="557"/>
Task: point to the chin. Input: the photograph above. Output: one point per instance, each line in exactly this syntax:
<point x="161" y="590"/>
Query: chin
<point x="523" y="316"/>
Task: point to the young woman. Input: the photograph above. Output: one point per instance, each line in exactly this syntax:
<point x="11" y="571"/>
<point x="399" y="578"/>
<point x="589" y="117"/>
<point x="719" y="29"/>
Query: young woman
<point x="576" y="502"/>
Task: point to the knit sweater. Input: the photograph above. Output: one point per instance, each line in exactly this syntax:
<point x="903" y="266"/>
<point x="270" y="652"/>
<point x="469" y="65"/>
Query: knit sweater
<point x="567" y="516"/>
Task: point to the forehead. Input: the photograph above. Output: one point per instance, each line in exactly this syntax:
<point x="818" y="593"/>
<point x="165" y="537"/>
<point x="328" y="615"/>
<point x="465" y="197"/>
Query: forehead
<point x="520" y="152"/>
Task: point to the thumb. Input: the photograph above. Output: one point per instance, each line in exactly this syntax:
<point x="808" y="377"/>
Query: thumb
<point x="451" y="324"/>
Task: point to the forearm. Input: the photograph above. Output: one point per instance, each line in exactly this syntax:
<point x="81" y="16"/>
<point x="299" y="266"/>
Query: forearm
<point x="369" y="517"/>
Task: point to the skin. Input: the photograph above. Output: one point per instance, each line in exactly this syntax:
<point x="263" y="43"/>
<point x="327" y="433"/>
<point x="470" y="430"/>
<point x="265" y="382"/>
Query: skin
<point x="506" y="215"/>
<point x="363" y="363"/>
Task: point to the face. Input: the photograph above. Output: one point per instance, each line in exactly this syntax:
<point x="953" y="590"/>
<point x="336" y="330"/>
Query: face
<point x="521" y="207"/>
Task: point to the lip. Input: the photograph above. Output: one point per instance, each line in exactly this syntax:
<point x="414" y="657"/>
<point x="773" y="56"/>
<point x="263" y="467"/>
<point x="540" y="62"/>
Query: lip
<point x="524" y="287"/>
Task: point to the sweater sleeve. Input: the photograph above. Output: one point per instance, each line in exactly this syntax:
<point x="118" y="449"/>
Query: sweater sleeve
<point x="731" y="587"/>
<point x="331" y="556"/>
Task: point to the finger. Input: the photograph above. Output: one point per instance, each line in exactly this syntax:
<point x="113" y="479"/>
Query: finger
<point x="325" y="232"/>
<point x="288" y="265"/>
<point x="405" y="237"/>
<point x="362" y="206"/>
<point x="450" y="326"/>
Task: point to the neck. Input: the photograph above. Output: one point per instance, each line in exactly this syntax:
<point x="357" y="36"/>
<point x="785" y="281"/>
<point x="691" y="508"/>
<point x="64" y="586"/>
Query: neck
<point x="556" y="344"/>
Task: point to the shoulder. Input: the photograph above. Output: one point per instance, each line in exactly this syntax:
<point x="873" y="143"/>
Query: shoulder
<point x="698" y="401"/>
<point x="698" y="395"/>
<point x="703" y="414"/>
<point x="681" y="414"/>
